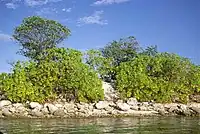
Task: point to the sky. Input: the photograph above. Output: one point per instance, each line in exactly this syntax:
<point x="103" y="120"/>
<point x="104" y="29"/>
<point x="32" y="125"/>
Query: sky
<point x="172" y="25"/>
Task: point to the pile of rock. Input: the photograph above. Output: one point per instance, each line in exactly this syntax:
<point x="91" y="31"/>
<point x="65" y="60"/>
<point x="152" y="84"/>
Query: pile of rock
<point x="103" y="108"/>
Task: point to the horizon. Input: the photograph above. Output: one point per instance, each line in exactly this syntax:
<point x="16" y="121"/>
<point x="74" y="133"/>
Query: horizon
<point x="172" y="25"/>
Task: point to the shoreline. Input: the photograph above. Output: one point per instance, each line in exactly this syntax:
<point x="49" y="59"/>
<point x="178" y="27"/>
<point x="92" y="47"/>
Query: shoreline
<point x="130" y="108"/>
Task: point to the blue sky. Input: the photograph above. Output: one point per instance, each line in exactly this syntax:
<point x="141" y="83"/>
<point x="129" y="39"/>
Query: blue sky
<point x="172" y="25"/>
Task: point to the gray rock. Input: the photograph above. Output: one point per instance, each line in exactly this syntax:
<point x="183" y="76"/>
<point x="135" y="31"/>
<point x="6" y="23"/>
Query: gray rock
<point x="134" y="107"/>
<point x="195" y="109"/>
<point x="123" y="106"/>
<point x="35" y="105"/>
<point x="132" y="101"/>
<point x="59" y="112"/>
<point x="69" y="106"/>
<point x="36" y="112"/>
<point x="52" y="108"/>
<point x="6" y="112"/>
<point x="110" y="93"/>
<point x="102" y="104"/>
<point x="4" y="103"/>
<point x="45" y="111"/>
<point x="16" y="105"/>
<point x="59" y="105"/>
<point x="143" y="108"/>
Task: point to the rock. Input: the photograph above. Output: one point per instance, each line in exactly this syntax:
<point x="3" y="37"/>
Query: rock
<point x="52" y="108"/>
<point x="6" y="112"/>
<point x="110" y="93"/>
<point x="59" y="112"/>
<point x="143" y="108"/>
<point x="12" y="109"/>
<point x="59" y="105"/>
<point x="134" y="107"/>
<point x="196" y="110"/>
<point x="45" y="111"/>
<point x="35" y="105"/>
<point x="102" y="104"/>
<point x="16" y="105"/>
<point x="69" y="106"/>
<point x="4" y="103"/>
<point x="123" y="106"/>
<point x="132" y="102"/>
<point x="36" y="112"/>
<point x="173" y="109"/>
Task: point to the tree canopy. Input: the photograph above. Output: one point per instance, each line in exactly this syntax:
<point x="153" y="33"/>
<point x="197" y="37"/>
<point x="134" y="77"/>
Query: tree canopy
<point x="37" y="34"/>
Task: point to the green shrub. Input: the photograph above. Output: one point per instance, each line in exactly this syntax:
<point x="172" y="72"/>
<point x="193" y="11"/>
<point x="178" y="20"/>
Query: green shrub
<point x="163" y="78"/>
<point x="17" y="86"/>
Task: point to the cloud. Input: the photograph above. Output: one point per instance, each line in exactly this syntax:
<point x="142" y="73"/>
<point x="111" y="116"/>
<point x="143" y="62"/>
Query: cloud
<point x="11" y="5"/>
<point x="5" y="37"/>
<point x="33" y="3"/>
<point x="109" y="2"/>
<point x="67" y="10"/>
<point x="95" y="18"/>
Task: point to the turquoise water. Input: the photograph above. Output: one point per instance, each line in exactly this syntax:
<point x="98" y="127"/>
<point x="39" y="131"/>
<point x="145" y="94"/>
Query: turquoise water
<point x="129" y="125"/>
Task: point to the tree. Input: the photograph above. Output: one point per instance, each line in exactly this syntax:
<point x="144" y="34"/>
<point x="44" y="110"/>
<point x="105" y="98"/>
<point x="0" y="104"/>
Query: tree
<point x="121" y="51"/>
<point x="150" y="51"/>
<point x="37" y="34"/>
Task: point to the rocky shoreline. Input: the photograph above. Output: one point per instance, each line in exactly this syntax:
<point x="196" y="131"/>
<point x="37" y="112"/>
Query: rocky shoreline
<point x="100" y="109"/>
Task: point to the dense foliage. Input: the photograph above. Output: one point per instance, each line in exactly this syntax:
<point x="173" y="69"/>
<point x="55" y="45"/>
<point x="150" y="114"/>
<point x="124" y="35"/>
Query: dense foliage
<point x="37" y="34"/>
<point x="163" y="78"/>
<point x="60" y="72"/>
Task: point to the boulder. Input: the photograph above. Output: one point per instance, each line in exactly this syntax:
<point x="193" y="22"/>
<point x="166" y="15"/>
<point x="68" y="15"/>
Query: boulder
<point x="52" y="108"/>
<point x="4" y="103"/>
<point x="16" y="105"/>
<point x="45" y="111"/>
<point x="35" y="112"/>
<point x="132" y="102"/>
<point x="35" y="105"/>
<point x="101" y="105"/>
<point x="59" y="112"/>
<point x="6" y="112"/>
<point x="110" y="93"/>
<point x="123" y="106"/>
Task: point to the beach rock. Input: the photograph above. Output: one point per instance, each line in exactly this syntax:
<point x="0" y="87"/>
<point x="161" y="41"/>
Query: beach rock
<point x="132" y="102"/>
<point x="59" y="112"/>
<point x="35" y="105"/>
<point x="59" y="105"/>
<point x="123" y="106"/>
<point x="45" y="110"/>
<point x="16" y="105"/>
<point x="52" y="108"/>
<point x="6" y="112"/>
<point x="102" y="105"/>
<point x="196" y="110"/>
<point x="4" y="103"/>
<point x="36" y="112"/>
<point x="110" y="93"/>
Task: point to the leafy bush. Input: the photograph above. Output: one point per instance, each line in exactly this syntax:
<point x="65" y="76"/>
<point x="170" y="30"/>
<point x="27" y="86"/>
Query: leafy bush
<point x="61" y="71"/>
<point x="17" y="86"/>
<point x="163" y="78"/>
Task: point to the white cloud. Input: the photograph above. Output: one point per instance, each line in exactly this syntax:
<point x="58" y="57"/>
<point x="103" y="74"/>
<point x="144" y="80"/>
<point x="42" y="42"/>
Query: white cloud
<point x="5" y="37"/>
<point x="67" y="10"/>
<point x="95" y="18"/>
<point x="109" y="2"/>
<point x="33" y="3"/>
<point x="11" y="5"/>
